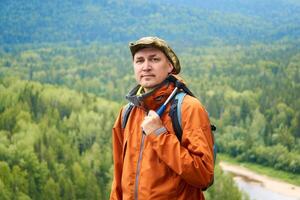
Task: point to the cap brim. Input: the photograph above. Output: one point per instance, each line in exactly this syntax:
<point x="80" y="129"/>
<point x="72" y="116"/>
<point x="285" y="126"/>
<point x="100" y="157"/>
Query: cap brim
<point x="136" y="47"/>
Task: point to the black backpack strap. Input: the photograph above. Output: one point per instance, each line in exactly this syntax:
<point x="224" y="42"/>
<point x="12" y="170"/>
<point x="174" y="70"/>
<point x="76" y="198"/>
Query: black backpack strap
<point x="187" y="90"/>
<point x="175" y="114"/>
<point x="125" y="115"/>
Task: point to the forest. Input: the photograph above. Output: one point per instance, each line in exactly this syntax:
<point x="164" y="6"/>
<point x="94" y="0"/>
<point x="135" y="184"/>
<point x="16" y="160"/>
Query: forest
<point x="63" y="105"/>
<point x="191" y="22"/>
<point x="60" y="93"/>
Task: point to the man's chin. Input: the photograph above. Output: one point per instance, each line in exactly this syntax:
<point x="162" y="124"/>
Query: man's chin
<point x="148" y="85"/>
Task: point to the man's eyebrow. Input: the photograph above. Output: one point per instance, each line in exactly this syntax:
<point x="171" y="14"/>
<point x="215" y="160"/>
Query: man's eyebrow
<point x="150" y="56"/>
<point x="138" y="57"/>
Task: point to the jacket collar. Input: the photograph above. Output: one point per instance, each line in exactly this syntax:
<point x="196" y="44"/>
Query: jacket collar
<point x="153" y="99"/>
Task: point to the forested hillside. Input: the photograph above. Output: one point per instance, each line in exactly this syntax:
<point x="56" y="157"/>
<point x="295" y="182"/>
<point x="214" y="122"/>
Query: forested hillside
<point x="251" y="92"/>
<point x="65" y="68"/>
<point x="190" y="22"/>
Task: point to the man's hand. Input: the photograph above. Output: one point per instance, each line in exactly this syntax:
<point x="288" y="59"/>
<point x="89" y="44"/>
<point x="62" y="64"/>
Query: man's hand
<point x="151" y="122"/>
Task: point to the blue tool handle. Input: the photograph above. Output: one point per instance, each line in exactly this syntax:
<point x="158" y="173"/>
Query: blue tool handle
<point x="161" y="110"/>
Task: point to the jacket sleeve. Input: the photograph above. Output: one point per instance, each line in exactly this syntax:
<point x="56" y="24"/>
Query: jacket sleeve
<point x="192" y="159"/>
<point x="117" y="142"/>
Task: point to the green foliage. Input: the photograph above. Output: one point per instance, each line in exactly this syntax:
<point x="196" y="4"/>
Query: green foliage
<point x="252" y="98"/>
<point x="55" y="140"/>
<point x="51" y="190"/>
<point x="251" y="93"/>
<point x="52" y="142"/>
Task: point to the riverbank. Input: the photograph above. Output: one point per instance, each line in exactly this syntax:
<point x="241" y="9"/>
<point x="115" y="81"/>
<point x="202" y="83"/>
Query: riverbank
<point x="284" y="176"/>
<point x="270" y="183"/>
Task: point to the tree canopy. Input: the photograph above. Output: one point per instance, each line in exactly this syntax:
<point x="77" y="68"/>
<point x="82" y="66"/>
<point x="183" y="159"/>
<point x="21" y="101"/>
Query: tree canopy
<point x="65" y="68"/>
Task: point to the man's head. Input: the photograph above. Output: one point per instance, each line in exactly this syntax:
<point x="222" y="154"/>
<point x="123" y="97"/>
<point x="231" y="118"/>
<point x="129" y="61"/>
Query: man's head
<point x="153" y="61"/>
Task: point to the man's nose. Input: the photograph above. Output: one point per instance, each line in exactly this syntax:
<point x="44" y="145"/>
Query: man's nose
<point x="147" y="66"/>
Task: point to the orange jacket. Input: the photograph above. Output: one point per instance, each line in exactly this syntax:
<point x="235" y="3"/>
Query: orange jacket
<point x="158" y="166"/>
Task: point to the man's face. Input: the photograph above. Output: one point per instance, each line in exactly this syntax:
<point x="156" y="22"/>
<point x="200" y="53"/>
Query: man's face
<point x="151" y="67"/>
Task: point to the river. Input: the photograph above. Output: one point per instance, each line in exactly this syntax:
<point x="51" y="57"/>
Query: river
<point x="260" y="187"/>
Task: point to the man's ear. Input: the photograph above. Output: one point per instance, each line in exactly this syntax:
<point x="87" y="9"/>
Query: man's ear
<point x="170" y="67"/>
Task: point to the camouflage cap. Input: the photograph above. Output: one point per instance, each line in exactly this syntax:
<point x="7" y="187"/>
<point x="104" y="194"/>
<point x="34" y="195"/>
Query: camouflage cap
<point x="159" y="44"/>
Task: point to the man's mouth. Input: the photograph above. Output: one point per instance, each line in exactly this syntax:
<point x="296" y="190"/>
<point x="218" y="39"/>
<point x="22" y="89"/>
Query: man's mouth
<point x="147" y="76"/>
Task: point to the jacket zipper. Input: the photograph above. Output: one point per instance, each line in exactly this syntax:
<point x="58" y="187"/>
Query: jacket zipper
<point x="139" y="167"/>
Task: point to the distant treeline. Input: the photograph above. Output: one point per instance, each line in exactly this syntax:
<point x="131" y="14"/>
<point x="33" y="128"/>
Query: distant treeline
<point x="187" y="23"/>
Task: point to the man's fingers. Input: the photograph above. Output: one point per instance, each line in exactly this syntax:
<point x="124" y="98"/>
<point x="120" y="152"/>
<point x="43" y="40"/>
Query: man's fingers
<point x="151" y="122"/>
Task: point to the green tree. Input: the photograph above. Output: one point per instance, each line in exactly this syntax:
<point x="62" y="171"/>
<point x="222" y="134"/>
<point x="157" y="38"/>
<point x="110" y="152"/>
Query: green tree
<point x="66" y="189"/>
<point x="51" y="190"/>
<point x="19" y="182"/>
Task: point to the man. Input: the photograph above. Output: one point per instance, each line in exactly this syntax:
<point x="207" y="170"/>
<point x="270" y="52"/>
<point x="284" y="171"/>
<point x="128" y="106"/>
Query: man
<point x="149" y="160"/>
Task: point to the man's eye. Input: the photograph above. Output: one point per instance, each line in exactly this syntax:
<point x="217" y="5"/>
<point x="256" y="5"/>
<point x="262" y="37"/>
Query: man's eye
<point x="156" y="59"/>
<point x="138" y="61"/>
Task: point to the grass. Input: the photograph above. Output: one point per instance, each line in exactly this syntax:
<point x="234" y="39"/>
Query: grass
<point x="268" y="171"/>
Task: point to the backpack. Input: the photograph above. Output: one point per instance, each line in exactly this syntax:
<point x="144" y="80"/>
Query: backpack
<point x="175" y="114"/>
